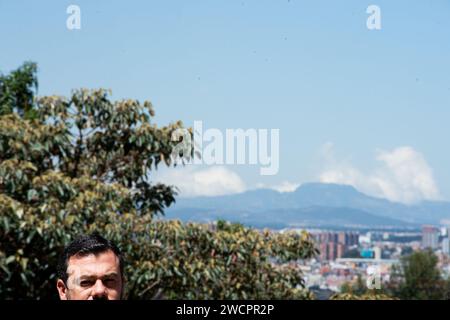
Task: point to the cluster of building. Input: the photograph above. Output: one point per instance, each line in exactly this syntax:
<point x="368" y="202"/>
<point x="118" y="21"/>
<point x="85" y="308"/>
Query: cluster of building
<point x="436" y="238"/>
<point x="346" y="256"/>
<point x="333" y="245"/>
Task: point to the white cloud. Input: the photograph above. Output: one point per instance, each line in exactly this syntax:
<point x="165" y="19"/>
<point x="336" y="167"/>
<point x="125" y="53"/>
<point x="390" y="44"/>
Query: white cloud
<point x="212" y="181"/>
<point x="286" y="186"/>
<point x="403" y="175"/>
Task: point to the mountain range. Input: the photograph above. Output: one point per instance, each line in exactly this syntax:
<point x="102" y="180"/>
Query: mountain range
<point x="310" y="205"/>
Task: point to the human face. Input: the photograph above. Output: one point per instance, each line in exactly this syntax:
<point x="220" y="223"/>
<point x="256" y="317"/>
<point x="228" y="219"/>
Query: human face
<point x="91" y="277"/>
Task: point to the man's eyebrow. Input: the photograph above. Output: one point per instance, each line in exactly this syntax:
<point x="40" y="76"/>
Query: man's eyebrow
<point x="111" y="275"/>
<point x="94" y="277"/>
<point x="87" y="277"/>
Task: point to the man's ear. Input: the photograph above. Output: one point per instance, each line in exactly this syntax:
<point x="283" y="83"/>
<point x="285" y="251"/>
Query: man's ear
<point x="62" y="289"/>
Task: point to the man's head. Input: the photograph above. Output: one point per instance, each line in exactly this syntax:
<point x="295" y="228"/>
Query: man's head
<point x="90" y="268"/>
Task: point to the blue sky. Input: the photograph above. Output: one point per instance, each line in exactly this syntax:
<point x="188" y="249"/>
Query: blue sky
<point x="351" y="104"/>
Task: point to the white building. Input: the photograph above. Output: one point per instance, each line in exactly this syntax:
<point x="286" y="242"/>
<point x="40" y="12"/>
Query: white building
<point x="445" y="246"/>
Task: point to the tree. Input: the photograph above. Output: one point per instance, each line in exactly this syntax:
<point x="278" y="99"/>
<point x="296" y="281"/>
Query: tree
<point x="418" y="278"/>
<point x="17" y="90"/>
<point x="83" y="164"/>
<point x="358" y="287"/>
<point x="365" y="296"/>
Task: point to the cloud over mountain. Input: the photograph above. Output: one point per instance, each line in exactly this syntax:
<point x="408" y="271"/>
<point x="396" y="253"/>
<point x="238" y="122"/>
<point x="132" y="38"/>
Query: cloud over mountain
<point x="211" y="181"/>
<point x="402" y="175"/>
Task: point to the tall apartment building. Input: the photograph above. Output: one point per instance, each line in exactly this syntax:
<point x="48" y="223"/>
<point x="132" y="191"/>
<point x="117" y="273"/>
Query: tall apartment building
<point x="445" y="246"/>
<point x="430" y="237"/>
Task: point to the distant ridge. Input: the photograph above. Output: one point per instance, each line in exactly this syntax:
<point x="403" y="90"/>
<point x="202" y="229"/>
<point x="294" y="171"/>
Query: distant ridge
<point x="311" y="204"/>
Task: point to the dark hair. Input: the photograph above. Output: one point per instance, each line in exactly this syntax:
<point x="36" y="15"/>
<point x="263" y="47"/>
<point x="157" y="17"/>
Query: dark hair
<point x="83" y="246"/>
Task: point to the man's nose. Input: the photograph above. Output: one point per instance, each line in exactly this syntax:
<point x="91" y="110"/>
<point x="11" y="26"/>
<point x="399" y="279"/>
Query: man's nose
<point x="99" y="290"/>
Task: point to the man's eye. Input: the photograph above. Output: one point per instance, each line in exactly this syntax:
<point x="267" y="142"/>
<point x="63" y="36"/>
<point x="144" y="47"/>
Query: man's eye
<point x="86" y="283"/>
<point x="109" y="281"/>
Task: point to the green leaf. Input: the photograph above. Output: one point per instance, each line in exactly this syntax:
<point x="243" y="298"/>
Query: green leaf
<point x="19" y="213"/>
<point x="32" y="195"/>
<point x="10" y="259"/>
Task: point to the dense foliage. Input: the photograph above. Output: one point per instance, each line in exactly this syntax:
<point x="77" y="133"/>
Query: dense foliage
<point x="418" y="277"/>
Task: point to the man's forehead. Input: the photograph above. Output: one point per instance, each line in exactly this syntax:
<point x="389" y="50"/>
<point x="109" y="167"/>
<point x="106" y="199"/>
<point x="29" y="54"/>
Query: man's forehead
<point x="103" y="262"/>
